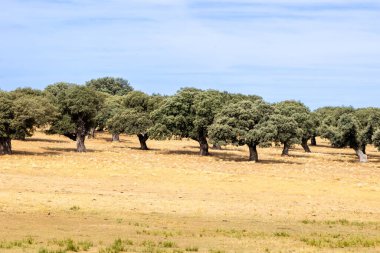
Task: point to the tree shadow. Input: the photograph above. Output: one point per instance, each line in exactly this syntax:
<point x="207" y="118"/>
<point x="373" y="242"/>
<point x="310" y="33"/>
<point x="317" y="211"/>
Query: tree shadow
<point x="337" y="154"/>
<point x="228" y="157"/>
<point x="44" y="140"/>
<point x="28" y="153"/>
<point x="295" y="155"/>
<point x="349" y="157"/>
<point x="376" y="159"/>
<point x="321" y="146"/>
<point x="191" y="146"/>
<point x="69" y="150"/>
<point x="138" y="148"/>
<point x="180" y="152"/>
<point x="373" y="155"/>
<point x="266" y="161"/>
<point x="109" y="139"/>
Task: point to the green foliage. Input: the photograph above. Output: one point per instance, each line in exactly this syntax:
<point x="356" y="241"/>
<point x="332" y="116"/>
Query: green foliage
<point x="20" y="92"/>
<point x="346" y="127"/>
<point x="242" y="124"/>
<point x="29" y="112"/>
<point x="284" y="129"/>
<point x="129" y="121"/>
<point x="342" y="132"/>
<point x="137" y="100"/>
<point x="54" y="91"/>
<point x="112" y="106"/>
<point x="110" y="85"/>
<point x="155" y="101"/>
<point x="376" y="139"/>
<point x="233" y="98"/>
<point x="175" y="116"/>
<point x="77" y="106"/>
<point x="133" y="115"/>
<point x="369" y="119"/>
<point x="6" y="115"/>
<point x="186" y="114"/>
<point x="295" y="112"/>
<point x="21" y="112"/>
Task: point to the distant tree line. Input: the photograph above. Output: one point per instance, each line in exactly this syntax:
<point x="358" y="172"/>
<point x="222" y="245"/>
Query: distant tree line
<point x="206" y="116"/>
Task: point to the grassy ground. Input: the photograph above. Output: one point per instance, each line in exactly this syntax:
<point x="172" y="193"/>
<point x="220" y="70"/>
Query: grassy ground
<point x="116" y="198"/>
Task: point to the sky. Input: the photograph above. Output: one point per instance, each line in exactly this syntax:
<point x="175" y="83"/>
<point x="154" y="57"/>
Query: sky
<point x="321" y="52"/>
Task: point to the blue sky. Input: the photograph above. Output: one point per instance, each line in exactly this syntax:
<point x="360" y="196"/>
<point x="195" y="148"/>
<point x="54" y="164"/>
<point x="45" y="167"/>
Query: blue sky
<point x="322" y="52"/>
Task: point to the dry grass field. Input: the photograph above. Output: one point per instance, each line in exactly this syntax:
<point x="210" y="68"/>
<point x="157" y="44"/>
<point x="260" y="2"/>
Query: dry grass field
<point x="117" y="198"/>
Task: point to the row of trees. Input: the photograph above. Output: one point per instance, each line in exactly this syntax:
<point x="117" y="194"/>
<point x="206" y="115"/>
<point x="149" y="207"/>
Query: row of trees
<point x="220" y="118"/>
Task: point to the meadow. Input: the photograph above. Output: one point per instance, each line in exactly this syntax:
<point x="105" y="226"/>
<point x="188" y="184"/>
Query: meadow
<point x="117" y="198"/>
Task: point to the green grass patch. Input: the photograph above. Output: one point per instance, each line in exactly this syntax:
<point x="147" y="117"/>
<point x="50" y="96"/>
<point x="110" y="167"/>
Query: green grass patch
<point x="281" y="234"/>
<point x="167" y="244"/>
<point x="74" y="208"/>
<point x="216" y="251"/>
<point x="340" y="241"/>
<point x="235" y="233"/>
<point x="192" y="249"/>
<point x="69" y="245"/>
<point x="117" y="246"/>
<point x="24" y="243"/>
<point x="344" y="222"/>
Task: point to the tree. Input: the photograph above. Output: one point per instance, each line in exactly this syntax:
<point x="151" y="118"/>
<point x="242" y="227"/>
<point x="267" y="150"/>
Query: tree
<point x="111" y="85"/>
<point x="376" y="139"/>
<point x="234" y="98"/>
<point x="316" y="122"/>
<point x="243" y="123"/>
<point x="328" y="114"/>
<point x="19" y="115"/>
<point x="285" y="131"/>
<point x="187" y="114"/>
<point x="77" y="106"/>
<point x="294" y="125"/>
<point x="20" y="92"/>
<point x="53" y="91"/>
<point x="134" y="118"/>
<point x="369" y="119"/>
<point x="345" y="131"/>
<point x="27" y="95"/>
<point x="112" y="106"/>
<point x="132" y="121"/>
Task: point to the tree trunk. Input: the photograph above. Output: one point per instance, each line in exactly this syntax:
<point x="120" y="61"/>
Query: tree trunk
<point x="253" y="155"/>
<point x="203" y="145"/>
<point x="91" y="134"/>
<point x="313" y="141"/>
<point x="305" y="146"/>
<point x="216" y="146"/>
<point x="143" y="138"/>
<point x="362" y="157"/>
<point x="80" y="143"/>
<point x="364" y="149"/>
<point x="285" y="151"/>
<point x="5" y="146"/>
<point x="115" y="137"/>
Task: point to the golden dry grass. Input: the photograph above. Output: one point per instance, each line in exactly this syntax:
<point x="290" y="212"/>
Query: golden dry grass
<point x="169" y="199"/>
